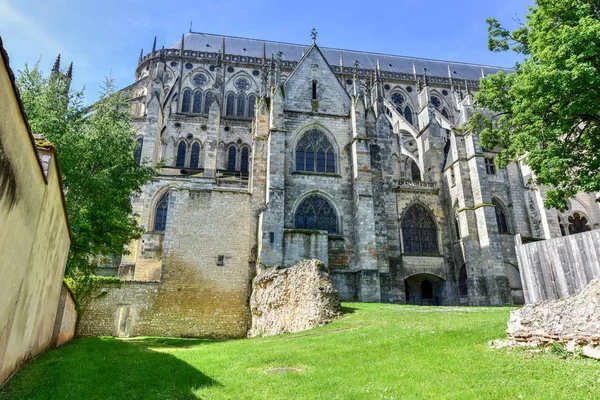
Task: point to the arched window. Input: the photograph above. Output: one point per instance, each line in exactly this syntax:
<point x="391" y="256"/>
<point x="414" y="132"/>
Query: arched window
<point x="229" y="106"/>
<point x="185" y="102"/>
<point x="445" y="113"/>
<point x="195" y="156"/>
<point x="315" y="212"/>
<point x="501" y="219"/>
<point x="419" y="233"/>
<point x="415" y="172"/>
<point x="578" y="223"/>
<point x="181" y="151"/>
<point x="241" y="105"/>
<point x="462" y="282"/>
<point x="408" y="115"/>
<point x="251" y="103"/>
<point x="426" y="290"/>
<point x="314" y="90"/>
<point x="197" y="107"/>
<point x="231" y="158"/>
<point x="314" y="153"/>
<point x="160" y="214"/>
<point x="139" y="143"/>
<point x="208" y="98"/>
<point x="244" y="160"/>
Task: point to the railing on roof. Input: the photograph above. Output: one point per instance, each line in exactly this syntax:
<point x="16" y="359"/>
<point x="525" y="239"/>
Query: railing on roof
<point x="232" y="179"/>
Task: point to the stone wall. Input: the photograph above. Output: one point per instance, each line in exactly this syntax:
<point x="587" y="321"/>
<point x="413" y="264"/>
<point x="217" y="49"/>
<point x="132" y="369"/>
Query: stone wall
<point x="559" y="267"/>
<point x="205" y="282"/>
<point x="66" y="318"/>
<point x="34" y="235"/>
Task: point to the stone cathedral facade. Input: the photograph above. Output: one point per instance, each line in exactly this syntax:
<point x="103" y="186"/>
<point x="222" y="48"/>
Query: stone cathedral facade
<point x="274" y="152"/>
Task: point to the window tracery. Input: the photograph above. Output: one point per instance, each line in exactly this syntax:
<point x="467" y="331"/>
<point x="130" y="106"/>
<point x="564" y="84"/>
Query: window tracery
<point x="186" y="101"/>
<point x="160" y="214"/>
<point x="195" y="156"/>
<point x="315" y="212"/>
<point x="501" y="218"/>
<point x="231" y="158"/>
<point x="419" y="232"/>
<point x="315" y="153"/>
<point x="139" y="144"/>
<point x="229" y="107"/>
<point x="197" y="105"/>
<point x="181" y="152"/>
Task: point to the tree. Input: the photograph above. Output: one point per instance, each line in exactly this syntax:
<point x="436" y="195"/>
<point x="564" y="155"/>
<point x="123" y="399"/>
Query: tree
<point x="547" y="111"/>
<point x="96" y="158"/>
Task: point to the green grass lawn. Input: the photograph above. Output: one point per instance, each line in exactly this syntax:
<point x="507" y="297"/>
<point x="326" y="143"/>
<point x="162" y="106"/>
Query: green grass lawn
<point x="376" y="351"/>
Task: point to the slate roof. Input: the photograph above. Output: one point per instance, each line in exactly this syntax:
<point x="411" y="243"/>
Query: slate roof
<point x="196" y="41"/>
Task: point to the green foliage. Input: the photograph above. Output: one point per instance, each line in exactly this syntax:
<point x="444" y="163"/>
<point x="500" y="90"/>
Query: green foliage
<point x="85" y="287"/>
<point x="95" y="154"/>
<point x="548" y="111"/>
<point x="375" y="351"/>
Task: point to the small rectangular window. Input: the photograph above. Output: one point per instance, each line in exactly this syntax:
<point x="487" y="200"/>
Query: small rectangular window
<point x="452" y="177"/>
<point x="490" y="166"/>
<point x="314" y="90"/>
<point x="221" y="260"/>
<point x="271" y="237"/>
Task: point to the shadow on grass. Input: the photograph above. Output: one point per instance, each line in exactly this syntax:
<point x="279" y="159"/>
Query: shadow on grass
<point x="348" y="310"/>
<point x="108" y="368"/>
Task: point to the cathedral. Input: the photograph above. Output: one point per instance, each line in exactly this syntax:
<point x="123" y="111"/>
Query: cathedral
<point x="271" y="153"/>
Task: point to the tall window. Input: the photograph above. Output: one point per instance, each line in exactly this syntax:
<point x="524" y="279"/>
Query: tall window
<point x="408" y="115"/>
<point x="181" y="151"/>
<point x="415" y="172"/>
<point x="195" y="156"/>
<point x="197" y="107"/>
<point x="244" y="160"/>
<point x="229" y="106"/>
<point x="185" y="102"/>
<point x="445" y="114"/>
<point x="315" y="212"/>
<point x="501" y="219"/>
<point x="160" y="214"/>
<point x="314" y="153"/>
<point x="314" y="90"/>
<point x="207" y="102"/>
<point x="231" y="158"/>
<point x="139" y="143"/>
<point x="490" y="166"/>
<point x="419" y="233"/>
<point x="251" y="103"/>
<point x="241" y="105"/>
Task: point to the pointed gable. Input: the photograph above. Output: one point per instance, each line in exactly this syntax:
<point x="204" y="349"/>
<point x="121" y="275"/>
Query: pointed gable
<point x="331" y="97"/>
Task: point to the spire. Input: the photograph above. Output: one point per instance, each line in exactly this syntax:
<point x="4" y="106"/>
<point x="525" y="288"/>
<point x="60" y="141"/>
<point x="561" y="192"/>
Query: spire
<point x="378" y="66"/>
<point x="425" y="77"/>
<point x="70" y="72"/>
<point x="342" y="61"/>
<point x="141" y="56"/>
<point x="191" y="26"/>
<point x="264" y="54"/>
<point x="313" y="35"/>
<point x="154" y="46"/>
<point x="450" y="75"/>
<point x="56" y="66"/>
<point x="482" y="73"/>
<point x="182" y="44"/>
<point x="223" y="47"/>
<point x="219" y="60"/>
<point x="355" y="78"/>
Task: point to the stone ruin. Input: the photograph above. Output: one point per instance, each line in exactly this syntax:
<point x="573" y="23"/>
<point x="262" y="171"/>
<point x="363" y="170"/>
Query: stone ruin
<point x="573" y="321"/>
<point x="293" y="299"/>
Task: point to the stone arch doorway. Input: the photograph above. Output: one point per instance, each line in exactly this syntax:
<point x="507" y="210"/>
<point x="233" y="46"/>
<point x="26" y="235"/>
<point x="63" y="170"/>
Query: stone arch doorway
<point x="425" y="290"/>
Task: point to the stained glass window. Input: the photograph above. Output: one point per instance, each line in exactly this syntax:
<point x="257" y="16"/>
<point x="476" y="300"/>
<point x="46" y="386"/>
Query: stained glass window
<point x="241" y="105"/>
<point x="195" y="156"/>
<point x="187" y="99"/>
<point x="139" y="143"/>
<point x="315" y="212"/>
<point x="197" y="107"/>
<point x="242" y="84"/>
<point x="436" y="101"/>
<point x="408" y="115"/>
<point x="244" y="160"/>
<point x="397" y="98"/>
<point x="419" y="233"/>
<point x="314" y="153"/>
<point x="229" y="106"/>
<point x="181" y="150"/>
<point x="207" y="101"/>
<point x="251" y="103"/>
<point x="199" y="80"/>
<point x="160" y="215"/>
<point x="231" y="158"/>
<point x="501" y="219"/>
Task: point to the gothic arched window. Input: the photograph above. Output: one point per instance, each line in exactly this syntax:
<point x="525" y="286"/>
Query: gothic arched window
<point x="415" y="172"/>
<point x="408" y="115"/>
<point x="160" y="213"/>
<point x="231" y="158"/>
<point x="241" y="105"/>
<point x="229" y="105"/>
<point x="197" y="105"/>
<point x="315" y="212"/>
<point x="181" y="151"/>
<point x="139" y="143"/>
<point x="195" y="156"/>
<point x="208" y="98"/>
<point x="501" y="219"/>
<point x="578" y="223"/>
<point x="445" y="114"/>
<point x="314" y="153"/>
<point x="251" y="103"/>
<point x="419" y="233"/>
<point x="185" y="102"/>
<point x="462" y="282"/>
<point x="244" y="160"/>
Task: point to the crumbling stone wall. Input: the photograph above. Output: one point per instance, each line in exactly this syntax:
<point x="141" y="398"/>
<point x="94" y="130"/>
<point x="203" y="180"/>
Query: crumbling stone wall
<point x="293" y="299"/>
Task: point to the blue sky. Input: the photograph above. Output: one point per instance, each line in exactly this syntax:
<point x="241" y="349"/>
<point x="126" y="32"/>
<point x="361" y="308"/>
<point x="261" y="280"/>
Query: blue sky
<point x="105" y="37"/>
